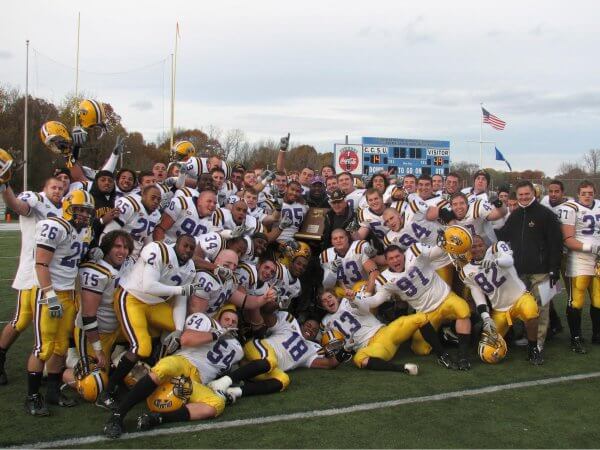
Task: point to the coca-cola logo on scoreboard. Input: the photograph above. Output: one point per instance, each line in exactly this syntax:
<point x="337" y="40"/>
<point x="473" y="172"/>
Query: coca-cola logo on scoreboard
<point x="348" y="159"/>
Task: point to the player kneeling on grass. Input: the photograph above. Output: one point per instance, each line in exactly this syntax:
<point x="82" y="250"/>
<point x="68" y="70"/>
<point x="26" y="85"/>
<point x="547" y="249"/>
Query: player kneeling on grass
<point x="208" y="348"/>
<point x="492" y="275"/>
<point x="375" y="344"/>
<point x="286" y="348"/>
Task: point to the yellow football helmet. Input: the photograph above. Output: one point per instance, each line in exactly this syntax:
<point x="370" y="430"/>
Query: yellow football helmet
<point x="56" y="138"/>
<point x="91" y="115"/>
<point x="457" y="240"/>
<point x="6" y="166"/>
<point x="287" y="255"/>
<point x="340" y="291"/>
<point x="182" y="150"/>
<point x="492" y="348"/>
<point x="539" y="190"/>
<point x="332" y="341"/>
<point x="170" y="395"/>
<point x="90" y="379"/>
<point x="78" y="199"/>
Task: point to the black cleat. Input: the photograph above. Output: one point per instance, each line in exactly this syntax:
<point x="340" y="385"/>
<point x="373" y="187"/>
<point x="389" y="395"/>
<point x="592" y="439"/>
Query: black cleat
<point x="577" y="345"/>
<point x="535" y="356"/>
<point x="107" y="401"/>
<point x="36" y="406"/>
<point x="60" y="399"/>
<point x="464" y="364"/>
<point x="445" y="361"/>
<point x="148" y="421"/>
<point x="114" y="427"/>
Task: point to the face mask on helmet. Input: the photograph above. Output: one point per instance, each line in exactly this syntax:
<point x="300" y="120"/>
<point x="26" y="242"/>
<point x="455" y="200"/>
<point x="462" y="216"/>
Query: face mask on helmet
<point x="91" y="115"/>
<point x="6" y="166"/>
<point x="90" y="380"/>
<point x="81" y="216"/>
<point x="56" y="138"/>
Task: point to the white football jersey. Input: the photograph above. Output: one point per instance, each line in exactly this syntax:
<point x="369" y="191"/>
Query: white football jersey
<point x="373" y="221"/>
<point x="211" y="243"/>
<point x="296" y="212"/>
<point x="289" y="285"/>
<point x="252" y="224"/>
<point x="587" y="231"/>
<point x="501" y="285"/>
<point x="69" y="247"/>
<point x="472" y="197"/>
<point x="212" y="289"/>
<point x="356" y="199"/>
<point x="247" y="277"/>
<point x="352" y="268"/>
<point x="214" y="359"/>
<point x="227" y="190"/>
<point x="418" y="285"/>
<point x="40" y="208"/>
<point x="83" y="185"/>
<point x="197" y="166"/>
<point x="290" y="347"/>
<point x="166" y="271"/>
<point x="353" y="323"/>
<point x="475" y="219"/>
<point x="102" y="278"/>
<point x="187" y="192"/>
<point x="184" y="213"/>
<point x="135" y="220"/>
<point x="414" y="208"/>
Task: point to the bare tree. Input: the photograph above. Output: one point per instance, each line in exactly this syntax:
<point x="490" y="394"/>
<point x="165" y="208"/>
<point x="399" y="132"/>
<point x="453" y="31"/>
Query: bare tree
<point x="591" y="160"/>
<point x="233" y="144"/>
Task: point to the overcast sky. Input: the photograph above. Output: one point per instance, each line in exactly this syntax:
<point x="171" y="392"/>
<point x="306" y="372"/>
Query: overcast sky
<point x="322" y="70"/>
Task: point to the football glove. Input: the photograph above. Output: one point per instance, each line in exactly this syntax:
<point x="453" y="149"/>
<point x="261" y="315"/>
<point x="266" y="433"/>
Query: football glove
<point x="223" y="333"/>
<point x="498" y="203"/>
<point x="353" y="226"/>
<point x="285" y="222"/>
<point x="79" y="136"/>
<point x="335" y="264"/>
<point x="488" y="263"/>
<point x="343" y="355"/>
<point x="239" y="231"/>
<point x="595" y="249"/>
<point x="283" y="301"/>
<point x="54" y="307"/>
<point x="95" y="254"/>
<point x="172" y="342"/>
<point x="489" y="326"/>
<point x="369" y="250"/>
<point x="224" y="273"/>
<point x="441" y="238"/>
<point x="284" y="143"/>
<point x="119" y="145"/>
<point x="188" y="289"/>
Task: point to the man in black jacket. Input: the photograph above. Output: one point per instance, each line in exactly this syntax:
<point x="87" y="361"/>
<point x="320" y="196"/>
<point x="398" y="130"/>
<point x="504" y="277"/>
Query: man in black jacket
<point x="533" y="232"/>
<point x="341" y="215"/>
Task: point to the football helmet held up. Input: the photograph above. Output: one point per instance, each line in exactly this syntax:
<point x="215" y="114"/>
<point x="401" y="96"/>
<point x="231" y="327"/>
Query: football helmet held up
<point x="90" y="380"/>
<point x="492" y="348"/>
<point x="456" y="240"/>
<point x="6" y="166"/>
<point x="56" y="138"/>
<point x="91" y="114"/>
<point x="170" y="395"/>
<point x="182" y="150"/>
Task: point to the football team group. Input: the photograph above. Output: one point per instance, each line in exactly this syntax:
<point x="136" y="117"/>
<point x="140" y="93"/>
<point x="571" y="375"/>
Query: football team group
<point x="196" y="283"/>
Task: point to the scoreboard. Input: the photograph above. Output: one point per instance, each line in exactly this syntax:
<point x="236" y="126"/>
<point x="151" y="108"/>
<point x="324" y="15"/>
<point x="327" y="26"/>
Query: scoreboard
<point x="416" y="156"/>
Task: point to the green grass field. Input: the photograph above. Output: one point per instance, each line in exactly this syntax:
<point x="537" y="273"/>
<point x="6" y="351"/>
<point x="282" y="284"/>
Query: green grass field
<point x="560" y="415"/>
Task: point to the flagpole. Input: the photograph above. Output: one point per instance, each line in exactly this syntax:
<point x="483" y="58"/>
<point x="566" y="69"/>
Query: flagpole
<point x="172" y="99"/>
<point x="174" y="86"/>
<point x="26" y="120"/>
<point x="481" y="137"/>
<point x="77" y="65"/>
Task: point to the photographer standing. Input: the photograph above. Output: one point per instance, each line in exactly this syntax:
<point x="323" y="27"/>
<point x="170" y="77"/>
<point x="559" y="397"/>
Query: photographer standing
<point x="534" y="234"/>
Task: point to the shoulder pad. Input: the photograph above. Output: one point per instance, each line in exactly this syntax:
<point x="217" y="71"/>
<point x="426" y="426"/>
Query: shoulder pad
<point x="97" y="268"/>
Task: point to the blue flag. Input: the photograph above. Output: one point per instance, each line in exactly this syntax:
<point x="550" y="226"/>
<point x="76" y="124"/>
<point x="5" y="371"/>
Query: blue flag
<point x="500" y="157"/>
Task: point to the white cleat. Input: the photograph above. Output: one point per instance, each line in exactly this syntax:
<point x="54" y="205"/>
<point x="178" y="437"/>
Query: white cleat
<point x="233" y="393"/>
<point x="220" y="384"/>
<point x="411" y="369"/>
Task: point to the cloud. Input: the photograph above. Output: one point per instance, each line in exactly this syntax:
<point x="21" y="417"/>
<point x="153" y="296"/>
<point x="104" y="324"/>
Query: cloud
<point x="415" y="34"/>
<point x="142" y="105"/>
<point x="538" y="30"/>
<point x="4" y="54"/>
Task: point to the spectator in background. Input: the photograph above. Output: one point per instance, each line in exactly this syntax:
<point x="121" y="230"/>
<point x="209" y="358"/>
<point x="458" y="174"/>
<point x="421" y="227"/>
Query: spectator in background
<point x="534" y="234"/>
<point x="503" y="193"/>
<point x="317" y="197"/>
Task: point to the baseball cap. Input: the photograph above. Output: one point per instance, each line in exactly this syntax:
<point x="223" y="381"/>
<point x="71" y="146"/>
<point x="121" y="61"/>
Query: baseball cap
<point x="317" y="179"/>
<point x="337" y="196"/>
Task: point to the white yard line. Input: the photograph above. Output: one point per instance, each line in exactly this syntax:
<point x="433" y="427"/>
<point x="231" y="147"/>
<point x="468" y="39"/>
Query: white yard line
<point x="85" y="441"/>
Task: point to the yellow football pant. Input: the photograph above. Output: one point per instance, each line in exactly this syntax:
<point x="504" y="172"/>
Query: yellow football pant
<point x="51" y="335"/>
<point x="452" y="308"/>
<point x="176" y="365"/>
<point x="137" y="317"/>
<point x="24" y="310"/>
<point x="84" y="346"/>
<point x="578" y="287"/>
<point x="386" y="341"/>
<point x="260" y="349"/>
<point x="525" y="308"/>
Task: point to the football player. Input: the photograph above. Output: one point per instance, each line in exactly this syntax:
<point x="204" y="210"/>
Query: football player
<point x="437" y="183"/>
<point x="138" y="216"/>
<point x="96" y="325"/>
<point x="492" y="274"/>
<point x="370" y="218"/>
<point x="225" y="188"/>
<point x="354" y="197"/>
<point x="481" y="181"/>
<point x="375" y="344"/>
<point x="271" y="358"/>
<point x="61" y="242"/>
<point x="346" y="263"/>
<point x="208" y="348"/>
<point x="184" y="216"/>
<point x="580" y="229"/>
<point x="31" y="208"/>
<point x="266" y="214"/>
<point x="411" y="277"/>
<point x="293" y="212"/>
<point x="125" y="181"/>
<point x="153" y="295"/>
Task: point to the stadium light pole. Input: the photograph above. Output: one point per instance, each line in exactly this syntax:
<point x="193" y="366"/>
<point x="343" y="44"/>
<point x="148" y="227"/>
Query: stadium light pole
<point x="26" y="119"/>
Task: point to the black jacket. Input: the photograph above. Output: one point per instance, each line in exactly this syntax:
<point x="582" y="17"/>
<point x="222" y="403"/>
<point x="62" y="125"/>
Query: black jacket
<point x="535" y="238"/>
<point x="333" y="221"/>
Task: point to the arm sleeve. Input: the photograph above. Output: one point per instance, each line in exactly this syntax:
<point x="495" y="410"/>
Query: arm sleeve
<point x="329" y="278"/>
<point x="152" y="285"/>
<point x="504" y="256"/>
<point x="179" y="311"/>
<point x="477" y="294"/>
<point x="111" y="162"/>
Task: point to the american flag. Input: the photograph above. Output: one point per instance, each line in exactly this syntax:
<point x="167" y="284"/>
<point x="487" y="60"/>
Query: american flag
<point x="494" y="121"/>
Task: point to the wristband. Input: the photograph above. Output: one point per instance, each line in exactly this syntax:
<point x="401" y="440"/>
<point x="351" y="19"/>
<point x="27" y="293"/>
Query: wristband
<point x="215" y="336"/>
<point x="97" y="346"/>
<point x="586" y="248"/>
<point x="50" y="293"/>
